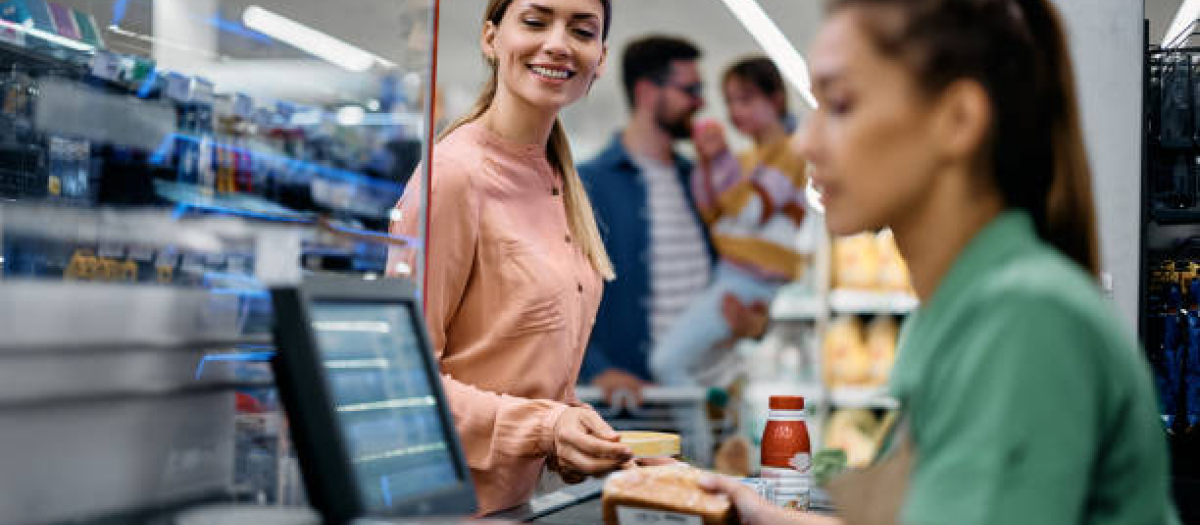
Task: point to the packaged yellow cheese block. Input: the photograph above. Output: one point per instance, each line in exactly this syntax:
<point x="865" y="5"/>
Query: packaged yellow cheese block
<point x="667" y="494"/>
<point x="651" y="444"/>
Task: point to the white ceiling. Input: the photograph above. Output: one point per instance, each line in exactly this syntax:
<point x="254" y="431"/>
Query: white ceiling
<point x="1160" y="13"/>
<point x="592" y="121"/>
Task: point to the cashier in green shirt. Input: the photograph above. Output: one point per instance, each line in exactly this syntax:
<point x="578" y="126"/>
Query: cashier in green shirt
<point x="1024" y="399"/>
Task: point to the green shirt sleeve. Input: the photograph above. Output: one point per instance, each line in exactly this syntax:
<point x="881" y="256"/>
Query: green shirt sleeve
<point x="1007" y="428"/>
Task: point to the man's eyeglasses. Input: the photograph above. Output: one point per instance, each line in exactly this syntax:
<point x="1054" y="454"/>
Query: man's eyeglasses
<point x="694" y="90"/>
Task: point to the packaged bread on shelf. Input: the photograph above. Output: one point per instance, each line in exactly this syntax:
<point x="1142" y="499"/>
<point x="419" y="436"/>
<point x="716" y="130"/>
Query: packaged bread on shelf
<point x="853" y="432"/>
<point x="881" y="347"/>
<point x="663" y="494"/>
<point x="856" y="262"/>
<point x="893" y="272"/>
<point x="846" y="360"/>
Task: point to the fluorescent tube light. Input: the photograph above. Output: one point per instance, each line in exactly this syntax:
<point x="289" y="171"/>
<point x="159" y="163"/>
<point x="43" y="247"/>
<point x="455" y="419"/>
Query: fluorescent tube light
<point x="28" y="29"/>
<point x="1184" y="17"/>
<point x="777" y="46"/>
<point x="310" y="40"/>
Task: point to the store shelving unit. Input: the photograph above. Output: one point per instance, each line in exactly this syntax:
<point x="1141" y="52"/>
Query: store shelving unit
<point x="806" y="310"/>
<point x="1170" y="233"/>
<point x="152" y="187"/>
<point x="871" y="302"/>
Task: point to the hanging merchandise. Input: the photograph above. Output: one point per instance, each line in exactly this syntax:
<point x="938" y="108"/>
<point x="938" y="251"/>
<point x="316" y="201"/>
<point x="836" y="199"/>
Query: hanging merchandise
<point x="1166" y="369"/>
<point x="1153" y="106"/>
<point x="1191" y="372"/>
<point x="1169" y="305"/>
<point x="1177" y="103"/>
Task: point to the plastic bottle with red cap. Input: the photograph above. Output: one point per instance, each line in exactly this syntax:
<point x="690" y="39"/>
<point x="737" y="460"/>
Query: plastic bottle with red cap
<point x="787" y="452"/>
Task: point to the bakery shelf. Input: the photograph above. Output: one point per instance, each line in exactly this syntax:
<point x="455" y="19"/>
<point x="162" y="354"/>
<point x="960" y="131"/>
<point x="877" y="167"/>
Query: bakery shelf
<point x="796" y="306"/>
<point x="871" y="302"/>
<point x="862" y="397"/>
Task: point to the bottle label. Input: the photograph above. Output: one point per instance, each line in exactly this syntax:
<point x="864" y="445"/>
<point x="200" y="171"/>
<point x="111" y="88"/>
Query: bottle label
<point x="800" y="462"/>
<point x="636" y="516"/>
<point x="786" y="474"/>
<point x="791" y="487"/>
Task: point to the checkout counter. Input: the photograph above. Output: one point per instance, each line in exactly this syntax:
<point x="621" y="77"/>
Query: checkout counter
<point x="121" y="414"/>
<point x="114" y="410"/>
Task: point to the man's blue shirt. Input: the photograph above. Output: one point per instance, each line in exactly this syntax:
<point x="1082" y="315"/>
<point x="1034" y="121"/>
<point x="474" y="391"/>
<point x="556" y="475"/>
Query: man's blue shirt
<point x="617" y="189"/>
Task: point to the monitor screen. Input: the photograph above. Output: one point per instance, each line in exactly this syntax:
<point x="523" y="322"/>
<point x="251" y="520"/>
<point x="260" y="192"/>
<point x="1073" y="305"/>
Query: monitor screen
<point x="384" y="400"/>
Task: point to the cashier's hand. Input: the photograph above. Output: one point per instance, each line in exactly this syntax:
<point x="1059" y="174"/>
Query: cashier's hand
<point x="614" y="381"/>
<point x="585" y="445"/>
<point x="754" y="510"/>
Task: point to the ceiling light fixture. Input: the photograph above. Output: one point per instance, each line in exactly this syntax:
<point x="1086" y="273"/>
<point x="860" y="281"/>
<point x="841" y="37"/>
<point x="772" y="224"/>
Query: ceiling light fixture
<point x="1182" y="23"/>
<point x="310" y="40"/>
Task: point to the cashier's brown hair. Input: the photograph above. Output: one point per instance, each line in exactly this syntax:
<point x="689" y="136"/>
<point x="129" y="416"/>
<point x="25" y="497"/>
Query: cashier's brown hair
<point x="1017" y="50"/>
<point x="580" y="216"/>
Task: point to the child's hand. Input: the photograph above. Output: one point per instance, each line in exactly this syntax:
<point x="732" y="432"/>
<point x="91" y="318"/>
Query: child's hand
<point x="745" y="320"/>
<point x="709" y="138"/>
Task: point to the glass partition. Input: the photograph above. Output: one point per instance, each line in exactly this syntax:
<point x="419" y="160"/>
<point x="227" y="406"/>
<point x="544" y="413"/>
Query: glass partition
<point x="165" y="160"/>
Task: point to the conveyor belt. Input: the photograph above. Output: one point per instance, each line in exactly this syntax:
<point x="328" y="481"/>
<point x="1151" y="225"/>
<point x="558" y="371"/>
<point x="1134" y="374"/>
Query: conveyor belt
<point x="587" y="512"/>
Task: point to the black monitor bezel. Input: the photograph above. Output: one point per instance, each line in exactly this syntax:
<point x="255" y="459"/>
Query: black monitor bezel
<point x="320" y="446"/>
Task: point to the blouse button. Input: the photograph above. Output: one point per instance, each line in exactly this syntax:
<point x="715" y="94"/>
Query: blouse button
<point x="580" y="287"/>
<point x="554" y="191"/>
<point x="567" y="238"/>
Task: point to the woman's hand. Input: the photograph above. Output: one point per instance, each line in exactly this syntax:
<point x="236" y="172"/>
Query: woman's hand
<point x="585" y="445"/>
<point x="754" y="510"/>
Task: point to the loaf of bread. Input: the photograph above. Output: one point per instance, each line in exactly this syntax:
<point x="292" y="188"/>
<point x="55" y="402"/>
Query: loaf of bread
<point x="669" y="494"/>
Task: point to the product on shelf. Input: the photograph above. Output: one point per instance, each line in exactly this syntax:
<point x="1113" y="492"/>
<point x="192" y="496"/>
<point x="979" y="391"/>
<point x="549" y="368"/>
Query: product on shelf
<point x="893" y="272"/>
<point x="846" y="360"/>
<point x="30" y="13"/>
<point x="858" y="357"/>
<point x="857" y="432"/>
<point x="1173" y="339"/>
<point x="856" y="262"/>
<point x="787" y="353"/>
<point x="64" y="22"/>
<point x="663" y="494"/>
<point x="881" y="347"/>
<point x="89" y="32"/>
<point x="869" y="262"/>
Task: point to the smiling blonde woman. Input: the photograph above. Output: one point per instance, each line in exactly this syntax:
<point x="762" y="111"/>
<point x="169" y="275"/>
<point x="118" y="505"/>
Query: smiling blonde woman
<point x="515" y="261"/>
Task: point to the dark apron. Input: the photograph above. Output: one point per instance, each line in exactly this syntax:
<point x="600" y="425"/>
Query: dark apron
<point x="875" y="495"/>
